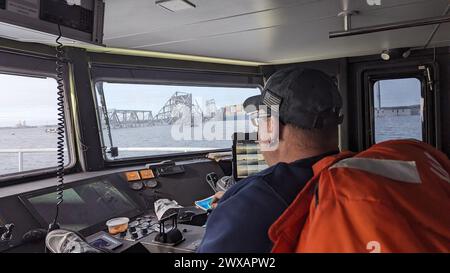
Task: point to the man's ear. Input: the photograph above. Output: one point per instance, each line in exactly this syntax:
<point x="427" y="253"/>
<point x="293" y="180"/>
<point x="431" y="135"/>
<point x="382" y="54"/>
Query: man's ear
<point x="269" y="135"/>
<point x="275" y="128"/>
<point x="275" y="124"/>
<point x="269" y="125"/>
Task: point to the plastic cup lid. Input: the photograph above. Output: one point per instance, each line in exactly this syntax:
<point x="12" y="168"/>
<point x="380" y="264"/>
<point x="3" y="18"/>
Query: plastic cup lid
<point x="117" y="221"/>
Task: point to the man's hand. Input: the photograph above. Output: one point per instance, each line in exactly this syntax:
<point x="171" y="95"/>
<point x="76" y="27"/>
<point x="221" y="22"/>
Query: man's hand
<point x="216" y="198"/>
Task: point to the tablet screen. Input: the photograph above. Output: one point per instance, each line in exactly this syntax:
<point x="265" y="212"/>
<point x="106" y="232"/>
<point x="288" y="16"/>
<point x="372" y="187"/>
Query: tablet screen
<point x="247" y="157"/>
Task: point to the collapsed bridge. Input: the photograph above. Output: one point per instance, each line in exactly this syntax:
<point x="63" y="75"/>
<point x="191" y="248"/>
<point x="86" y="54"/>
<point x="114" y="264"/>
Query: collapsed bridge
<point x="179" y="106"/>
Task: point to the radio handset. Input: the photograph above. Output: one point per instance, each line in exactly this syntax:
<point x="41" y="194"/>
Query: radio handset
<point x="60" y="129"/>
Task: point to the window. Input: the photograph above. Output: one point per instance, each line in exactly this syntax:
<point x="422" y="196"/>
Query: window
<point x="398" y="109"/>
<point x="28" y="118"/>
<point x="146" y="120"/>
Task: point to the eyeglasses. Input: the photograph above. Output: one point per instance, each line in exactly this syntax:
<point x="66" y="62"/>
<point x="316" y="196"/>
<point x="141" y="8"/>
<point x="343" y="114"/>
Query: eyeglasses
<point x="257" y="116"/>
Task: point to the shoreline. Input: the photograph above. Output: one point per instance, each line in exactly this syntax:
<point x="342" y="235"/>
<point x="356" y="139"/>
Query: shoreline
<point x="28" y="127"/>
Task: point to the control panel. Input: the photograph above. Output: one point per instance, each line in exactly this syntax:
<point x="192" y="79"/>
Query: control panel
<point x="140" y="179"/>
<point x="139" y="228"/>
<point x="155" y="236"/>
<point x="90" y="202"/>
<point x="148" y="178"/>
<point x="192" y="237"/>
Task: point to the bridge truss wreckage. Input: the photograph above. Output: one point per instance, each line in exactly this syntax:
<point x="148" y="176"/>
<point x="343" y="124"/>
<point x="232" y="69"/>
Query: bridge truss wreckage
<point x="179" y="108"/>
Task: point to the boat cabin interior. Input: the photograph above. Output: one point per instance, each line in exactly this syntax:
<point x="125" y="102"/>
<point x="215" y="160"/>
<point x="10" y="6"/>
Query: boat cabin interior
<point x="114" y="114"/>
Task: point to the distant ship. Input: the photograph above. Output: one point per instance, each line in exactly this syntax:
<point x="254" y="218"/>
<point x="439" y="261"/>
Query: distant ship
<point x="22" y="125"/>
<point x="51" y="130"/>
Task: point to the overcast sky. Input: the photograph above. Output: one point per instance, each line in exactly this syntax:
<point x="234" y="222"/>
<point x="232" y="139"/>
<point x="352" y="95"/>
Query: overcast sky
<point x="34" y="99"/>
<point x="153" y="97"/>
<point x="400" y="92"/>
<point x="27" y="99"/>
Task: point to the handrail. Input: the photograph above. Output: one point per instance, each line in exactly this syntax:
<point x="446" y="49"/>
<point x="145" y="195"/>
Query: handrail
<point x="129" y="149"/>
<point x="28" y="151"/>
<point x="166" y="149"/>
<point x="21" y="152"/>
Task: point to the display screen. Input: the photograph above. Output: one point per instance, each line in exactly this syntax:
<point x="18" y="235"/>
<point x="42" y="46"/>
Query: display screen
<point x="84" y="205"/>
<point x="248" y="159"/>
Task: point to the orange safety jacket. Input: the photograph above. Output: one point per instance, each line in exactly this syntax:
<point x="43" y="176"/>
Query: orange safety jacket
<point x="393" y="197"/>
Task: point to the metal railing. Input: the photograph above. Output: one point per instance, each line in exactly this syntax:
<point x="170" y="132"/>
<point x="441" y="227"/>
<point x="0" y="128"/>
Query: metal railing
<point x="22" y="152"/>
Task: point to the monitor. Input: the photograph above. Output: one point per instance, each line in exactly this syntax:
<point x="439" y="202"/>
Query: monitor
<point x="84" y="206"/>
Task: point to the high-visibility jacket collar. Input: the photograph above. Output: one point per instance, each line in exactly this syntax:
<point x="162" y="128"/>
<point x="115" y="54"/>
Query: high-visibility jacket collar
<point x="287" y="229"/>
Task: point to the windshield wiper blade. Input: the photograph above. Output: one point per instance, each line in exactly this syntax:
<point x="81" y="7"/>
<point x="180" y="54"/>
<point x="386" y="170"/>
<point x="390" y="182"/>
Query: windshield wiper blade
<point x="114" y="151"/>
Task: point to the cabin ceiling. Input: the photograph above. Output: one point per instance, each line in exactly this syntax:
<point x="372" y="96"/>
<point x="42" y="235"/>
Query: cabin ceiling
<point x="267" y="31"/>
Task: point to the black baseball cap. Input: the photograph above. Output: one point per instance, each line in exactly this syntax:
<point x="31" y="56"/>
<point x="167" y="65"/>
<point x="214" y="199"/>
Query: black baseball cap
<point x="307" y="98"/>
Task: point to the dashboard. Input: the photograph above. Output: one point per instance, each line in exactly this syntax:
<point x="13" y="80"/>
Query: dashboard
<point x="97" y="197"/>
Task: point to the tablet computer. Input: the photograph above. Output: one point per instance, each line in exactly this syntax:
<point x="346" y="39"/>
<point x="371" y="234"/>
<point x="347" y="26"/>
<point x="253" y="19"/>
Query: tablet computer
<point x="247" y="157"/>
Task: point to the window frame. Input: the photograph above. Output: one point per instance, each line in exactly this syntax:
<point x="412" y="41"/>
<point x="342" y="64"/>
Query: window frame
<point x="431" y="118"/>
<point x="118" y="77"/>
<point x="18" y="64"/>
<point x="372" y="104"/>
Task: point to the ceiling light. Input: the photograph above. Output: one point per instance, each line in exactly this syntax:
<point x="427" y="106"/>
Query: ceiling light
<point x="175" y="5"/>
<point x="386" y="55"/>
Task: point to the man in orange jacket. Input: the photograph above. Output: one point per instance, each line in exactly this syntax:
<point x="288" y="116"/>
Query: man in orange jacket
<point x="307" y="103"/>
<point x="393" y="197"/>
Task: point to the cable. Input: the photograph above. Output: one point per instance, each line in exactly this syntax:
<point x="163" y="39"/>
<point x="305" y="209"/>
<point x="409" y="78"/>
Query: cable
<point x="430" y="38"/>
<point x="60" y="129"/>
<point x="436" y="28"/>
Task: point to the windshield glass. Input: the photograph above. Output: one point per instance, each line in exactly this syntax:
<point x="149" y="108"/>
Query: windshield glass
<point x="28" y="123"/>
<point x="145" y="120"/>
<point x="398" y="109"/>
